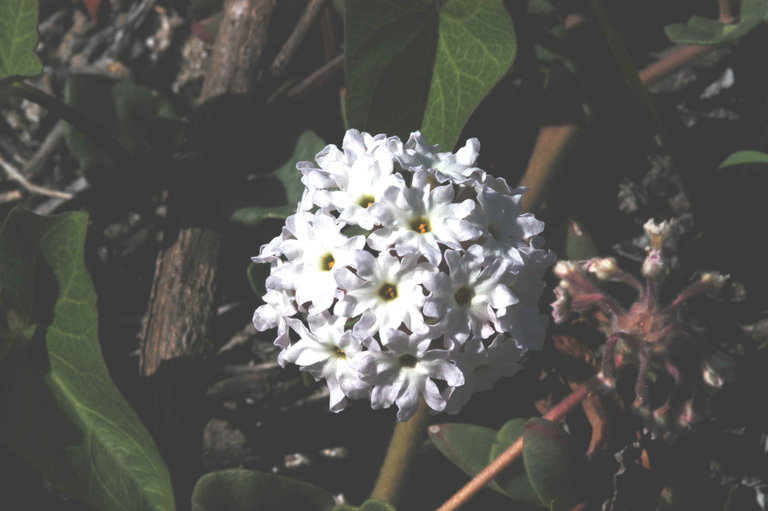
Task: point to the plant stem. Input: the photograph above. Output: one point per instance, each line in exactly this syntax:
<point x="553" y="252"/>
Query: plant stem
<point x="554" y="141"/>
<point x="400" y="455"/>
<point x="96" y="132"/>
<point x="516" y="449"/>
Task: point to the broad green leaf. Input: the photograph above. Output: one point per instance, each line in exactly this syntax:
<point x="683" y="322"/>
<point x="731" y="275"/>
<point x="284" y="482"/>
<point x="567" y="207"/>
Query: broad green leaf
<point x="476" y="47"/>
<point x="513" y="480"/>
<point x="465" y="445"/>
<point x="61" y="412"/>
<point x="388" y="62"/>
<point x="553" y="463"/>
<point x="578" y="244"/>
<point x="18" y="39"/>
<point x="376" y="505"/>
<point x="699" y="30"/>
<point x="422" y="64"/>
<point x="628" y="69"/>
<point x="745" y="158"/>
<point x="248" y="490"/>
<point x="283" y="185"/>
<point x="125" y="109"/>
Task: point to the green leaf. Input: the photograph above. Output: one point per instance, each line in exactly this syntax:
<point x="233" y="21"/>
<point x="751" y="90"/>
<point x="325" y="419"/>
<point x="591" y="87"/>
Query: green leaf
<point x="699" y="30"/>
<point x="284" y="184"/>
<point x="513" y="480"/>
<point x="61" y="412"/>
<point x="18" y="39"/>
<point x="127" y="110"/>
<point x="465" y="445"/>
<point x="475" y="49"/>
<point x="628" y="69"/>
<point x="554" y="464"/>
<point x="248" y="490"/>
<point x="388" y="62"/>
<point x="745" y="158"/>
<point x="578" y="244"/>
<point x="368" y="505"/>
<point x="423" y="64"/>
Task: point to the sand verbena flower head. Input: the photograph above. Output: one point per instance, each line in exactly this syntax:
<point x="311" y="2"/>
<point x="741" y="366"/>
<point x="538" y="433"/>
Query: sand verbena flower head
<point x="405" y="274"/>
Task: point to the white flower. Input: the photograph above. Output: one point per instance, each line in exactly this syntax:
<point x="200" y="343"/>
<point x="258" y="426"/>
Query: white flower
<point x="445" y="277"/>
<point x="467" y="298"/>
<point x="405" y="371"/>
<point x="324" y="350"/>
<point x="415" y="218"/>
<point x="458" y="168"/>
<point x="504" y="225"/>
<point x="314" y="253"/>
<point x="482" y="367"/>
<point x="385" y="291"/>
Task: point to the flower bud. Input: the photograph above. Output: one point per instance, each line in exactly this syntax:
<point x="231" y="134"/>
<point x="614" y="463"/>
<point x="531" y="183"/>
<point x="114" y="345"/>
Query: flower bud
<point x="654" y="265"/>
<point x="604" y="269"/>
<point x="657" y="233"/>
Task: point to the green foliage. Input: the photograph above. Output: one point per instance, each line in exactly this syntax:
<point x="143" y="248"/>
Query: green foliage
<point x="513" y="480"/>
<point x="476" y="47"/>
<point x="61" y="412"/>
<point x="423" y="64"/>
<point x="18" y="39"/>
<point x="578" y="244"/>
<point x="248" y="490"/>
<point x="368" y="505"/>
<point x="284" y="183"/>
<point x="466" y="445"/>
<point x="127" y="110"/>
<point x="700" y="30"/>
<point x="745" y="158"/>
<point x="390" y="53"/>
<point x="547" y="475"/>
<point x="553" y="463"/>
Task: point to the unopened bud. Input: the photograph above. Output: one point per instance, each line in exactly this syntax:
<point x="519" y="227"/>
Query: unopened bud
<point x="713" y="282"/>
<point x="657" y="233"/>
<point x="564" y="269"/>
<point x="654" y="265"/>
<point x="604" y="269"/>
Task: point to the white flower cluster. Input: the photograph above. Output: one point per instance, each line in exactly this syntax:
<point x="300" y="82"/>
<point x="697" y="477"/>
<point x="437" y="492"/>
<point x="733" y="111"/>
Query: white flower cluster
<point x="405" y="273"/>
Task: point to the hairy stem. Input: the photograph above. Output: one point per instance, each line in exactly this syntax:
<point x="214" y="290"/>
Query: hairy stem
<point x="400" y="455"/>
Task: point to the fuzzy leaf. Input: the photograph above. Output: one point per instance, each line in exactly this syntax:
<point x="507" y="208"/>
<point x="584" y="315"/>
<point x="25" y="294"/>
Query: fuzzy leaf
<point x="745" y="158"/>
<point x="553" y="463"/>
<point x="284" y="184"/>
<point x="465" y="445"/>
<point x="248" y="490"/>
<point x="18" y="39"/>
<point x="475" y="49"/>
<point x="513" y="480"/>
<point x="61" y="412"/>
<point x="423" y="64"/>
<point x="699" y="30"/>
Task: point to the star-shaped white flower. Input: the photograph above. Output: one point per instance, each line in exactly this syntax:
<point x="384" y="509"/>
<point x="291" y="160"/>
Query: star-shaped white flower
<point x="416" y="218"/>
<point x="385" y="291"/>
<point x="457" y="168"/>
<point x="324" y="350"/>
<point x="468" y="298"/>
<point x="482" y="367"/>
<point x="405" y="371"/>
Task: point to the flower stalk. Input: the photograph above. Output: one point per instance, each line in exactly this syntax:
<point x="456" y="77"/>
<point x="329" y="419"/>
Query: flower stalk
<point x="405" y="441"/>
